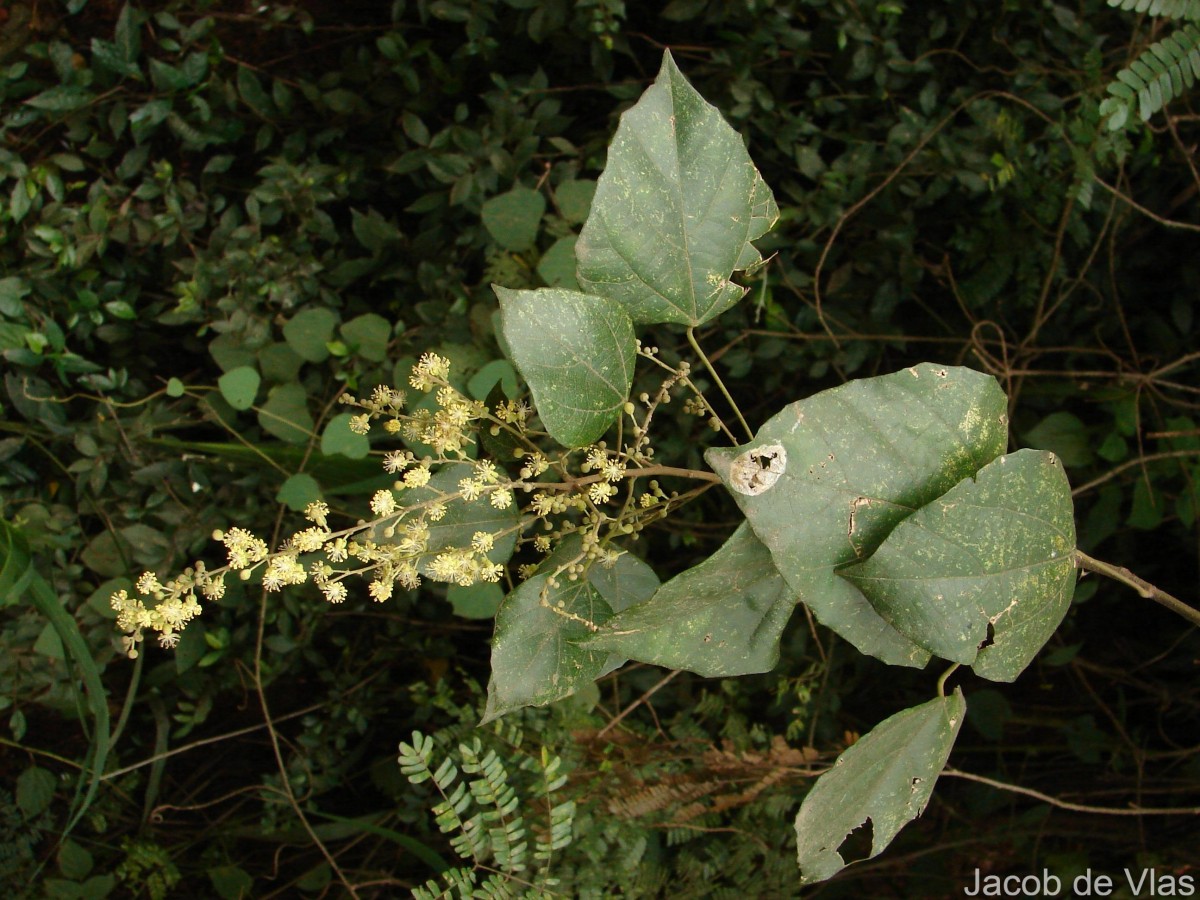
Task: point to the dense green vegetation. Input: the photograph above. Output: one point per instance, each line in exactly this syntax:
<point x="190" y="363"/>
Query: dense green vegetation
<point x="318" y="194"/>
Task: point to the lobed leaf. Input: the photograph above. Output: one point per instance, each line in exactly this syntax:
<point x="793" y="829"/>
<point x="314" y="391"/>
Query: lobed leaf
<point x="675" y="210"/>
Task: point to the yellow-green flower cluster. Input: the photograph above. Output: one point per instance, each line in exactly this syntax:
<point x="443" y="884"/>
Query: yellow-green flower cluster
<point x="448" y="429"/>
<point x="396" y="547"/>
<point x="175" y="604"/>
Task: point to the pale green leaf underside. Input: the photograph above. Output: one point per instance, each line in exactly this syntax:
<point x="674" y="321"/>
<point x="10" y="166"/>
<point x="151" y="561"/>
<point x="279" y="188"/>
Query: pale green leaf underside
<point x="576" y="352"/>
<point x="886" y="776"/>
<point x="539" y="653"/>
<point x="722" y="617"/>
<point x="860" y="459"/>
<point x="675" y="210"/>
<point x="994" y="549"/>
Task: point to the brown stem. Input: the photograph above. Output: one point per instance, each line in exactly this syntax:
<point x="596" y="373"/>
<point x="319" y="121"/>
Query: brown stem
<point x="643" y="472"/>
<point x="1143" y="587"/>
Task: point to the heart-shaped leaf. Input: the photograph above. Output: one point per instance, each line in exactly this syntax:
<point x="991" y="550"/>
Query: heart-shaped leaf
<point x="994" y="552"/>
<point x="576" y="352"/>
<point x="826" y="480"/>
<point x="675" y="210"/>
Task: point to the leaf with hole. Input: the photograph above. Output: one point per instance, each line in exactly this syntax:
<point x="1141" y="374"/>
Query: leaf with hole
<point x="983" y="575"/>
<point x="675" y="210"/>
<point x="576" y="352"/>
<point x="829" y="477"/>
<point x="886" y="777"/>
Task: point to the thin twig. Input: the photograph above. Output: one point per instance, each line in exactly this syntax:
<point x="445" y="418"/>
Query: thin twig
<point x="638" y="702"/>
<point x="1129" y="464"/>
<point x="1076" y="807"/>
<point x="1143" y="587"/>
<point x="691" y="336"/>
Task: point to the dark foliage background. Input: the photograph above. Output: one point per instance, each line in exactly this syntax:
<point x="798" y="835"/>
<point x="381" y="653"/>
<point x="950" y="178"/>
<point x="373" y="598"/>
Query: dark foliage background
<point x="184" y="182"/>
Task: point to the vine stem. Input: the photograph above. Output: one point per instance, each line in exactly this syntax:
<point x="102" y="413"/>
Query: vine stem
<point x="691" y="336"/>
<point x="941" y="684"/>
<point x="1143" y="587"/>
<point x="1074" y="807"/>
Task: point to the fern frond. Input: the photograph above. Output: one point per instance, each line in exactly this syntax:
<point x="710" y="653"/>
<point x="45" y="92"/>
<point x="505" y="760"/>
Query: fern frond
<point x="414" y="758"/>
<point x="500" y="803"/>
<point x="458" y="883"/>
<point x="1155" y="78"/>
<point x="1187" y="10"/>
<point x="560" y="832"/>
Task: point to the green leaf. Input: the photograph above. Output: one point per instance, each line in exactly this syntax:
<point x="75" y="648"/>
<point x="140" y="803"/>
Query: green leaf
<point x="231" y="882"/>
<point x="512" y="219"/>
<point x="12" y="291"/>
<point x="239" y="386"/>
<point x="19" y="201"/>
<point x="626" y="583"/>
<point x="557" y="265"/>
<point x="61" y="99"/>
<point x="338" y="438"/>
<point x="574" y="199"/>
<point x="992" y="554"/>
<point x="1064" y="434"/>
<point x="368" y="336"/>
<point x="128" y="36"/>
<point x="309" y="331"/>
<point x="279" y="363"/>
<point x="285" y="414"/>
<point x="298" y="491"/>
<point x="16" y="564"/>
<point x="113" y="554"/>
<point x="498" y="371"/>
<point x="887" y="777"/>
<point x="192" y="647"/>
<point x="576" y="352"/>
<point x="538" y="651"/>
<point x="74" y="861"/>
<point x="722" y="617"/>
<point x="106" y="55"/>
<point x="675" y="210"/>
<point x="479" y="601"/>
<point x="35" y="790"/>
<point x="251" y="91"/>
<point x="49" y="644"/>
<point x="47" y="602"/>
<point x="373" y="231"/>
<point x="175" y="388"/>
<point x="827" y="478"/>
